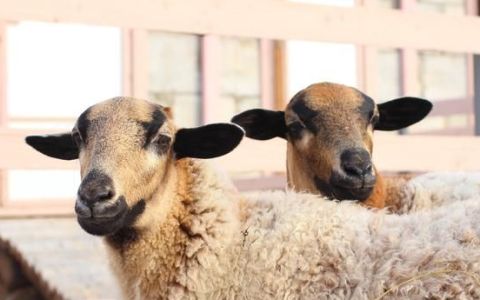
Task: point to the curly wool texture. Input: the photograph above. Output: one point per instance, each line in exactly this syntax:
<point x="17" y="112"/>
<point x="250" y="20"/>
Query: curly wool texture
<point x="430" y="190"/>
<point x="214" y="244"/>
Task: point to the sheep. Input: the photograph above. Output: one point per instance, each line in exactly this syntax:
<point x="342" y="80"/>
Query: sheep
<point x="174" y="229"/>
<point x="329" y="129"/>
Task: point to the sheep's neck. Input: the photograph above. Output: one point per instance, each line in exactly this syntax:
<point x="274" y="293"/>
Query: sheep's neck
<point x="377" y="198"/>
<point x="154" y="266"/>
<point x="147" y="253"/>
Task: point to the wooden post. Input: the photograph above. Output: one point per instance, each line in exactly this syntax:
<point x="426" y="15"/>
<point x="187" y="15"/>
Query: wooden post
<point x="266" y="73"/>
<point x="280" y="75"/>
<point x="3" y="105"/>
<point x="139" y="63"/>
<point x="210" y="62"/>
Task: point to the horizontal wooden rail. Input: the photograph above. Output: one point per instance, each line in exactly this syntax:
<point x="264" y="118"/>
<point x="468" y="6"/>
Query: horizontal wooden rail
<point x="391" y="153"/>
<point x="273" y="19"/>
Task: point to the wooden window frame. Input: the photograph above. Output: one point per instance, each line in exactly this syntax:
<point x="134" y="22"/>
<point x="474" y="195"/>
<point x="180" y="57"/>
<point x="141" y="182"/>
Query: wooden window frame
<point x="134" y="83"/>
<point x="367" y="66"/>
<point x="358" y="25"/>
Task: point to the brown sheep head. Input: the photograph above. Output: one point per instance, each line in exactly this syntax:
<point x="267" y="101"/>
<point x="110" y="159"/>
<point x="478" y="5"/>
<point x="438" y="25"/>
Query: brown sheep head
<point x="127" y="150"/>
<point x="329" y="129"/>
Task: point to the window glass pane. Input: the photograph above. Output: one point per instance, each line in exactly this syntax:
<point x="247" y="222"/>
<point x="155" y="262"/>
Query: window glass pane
<point x="388" y="75"/>
<point x="452" y="7"/>
<point x="443" y="76"/>
<point x="443" y="80"/>
<point x="42" y="185"/>
<point x="57" y="70"/>
<point x="388" y="3"/>
<point x="328" y="2"/>
<point x="311" y="62"/>
<point x="239" y="75"/>
<point x="174" y="75"/>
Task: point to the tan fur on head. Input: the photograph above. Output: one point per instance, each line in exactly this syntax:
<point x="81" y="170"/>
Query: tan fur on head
<point x="117" y="149"/>
<point x="334" y="118"/>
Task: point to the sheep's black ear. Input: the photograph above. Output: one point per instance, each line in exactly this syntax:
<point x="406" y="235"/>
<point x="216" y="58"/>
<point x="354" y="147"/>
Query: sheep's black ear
<point x="262" y="124"/>
<point x="402" y="112"/>
<point x="207" y="141"/>
<point x="59" y="146"/>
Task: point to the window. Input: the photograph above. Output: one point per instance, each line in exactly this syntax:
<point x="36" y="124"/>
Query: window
<point x="311" y="62"/>
<point x="451" y="7"/>
<point x="443" y="79"/>
<point x="388" y="74"/>
<point x="174" y="75"/>
<point x="54" y="72"/>
<point x="239" y="75"/>
<point x="57" y="70"/>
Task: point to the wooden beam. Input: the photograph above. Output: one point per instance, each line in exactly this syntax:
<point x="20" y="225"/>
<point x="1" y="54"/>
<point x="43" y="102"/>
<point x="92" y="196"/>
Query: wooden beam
<point x="3" y="74"/>
<point x="392" y="153"/>
<point x="269" y="19"/>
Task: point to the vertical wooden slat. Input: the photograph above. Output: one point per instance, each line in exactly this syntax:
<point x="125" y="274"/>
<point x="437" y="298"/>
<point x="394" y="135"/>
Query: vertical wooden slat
<point x="210" y="62"/>
<point x="3" y="187"/>
<point x="409" y="60"/>
<point x="127" y="62"/>
<point x="476" y="68"/>
<point x="368" y="65"/>
<point x="3" y="74"/>
<point x="266" y="73"/>
<point x="280" y="75"/>
<point x="474" y="6"/>
<point x="472" y="10"/>
<point x="139" y="63"/>
<point x="3" y="106"/>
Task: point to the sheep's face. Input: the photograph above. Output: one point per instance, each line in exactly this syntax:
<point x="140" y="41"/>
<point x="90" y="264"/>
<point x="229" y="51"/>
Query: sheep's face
<point x="126" y="149"/>
<point x="329" y="129"/>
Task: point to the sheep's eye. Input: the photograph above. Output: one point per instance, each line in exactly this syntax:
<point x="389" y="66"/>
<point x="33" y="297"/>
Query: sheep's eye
<point x="77" y="138"/>
<point x="162" y="142"/>
<point x="295" y="129"/>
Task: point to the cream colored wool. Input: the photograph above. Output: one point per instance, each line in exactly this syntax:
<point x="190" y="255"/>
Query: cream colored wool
<point x="431" y="190"/>
<point x="283" y="245"/>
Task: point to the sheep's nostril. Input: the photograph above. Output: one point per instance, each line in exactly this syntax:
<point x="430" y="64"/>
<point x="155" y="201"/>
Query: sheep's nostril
<point x="96" y="187"/>
<point x="368" y="170"/>
<point x="105" y="195"/>
<point x="356" y="162"/>
<point x="352" y="170"/>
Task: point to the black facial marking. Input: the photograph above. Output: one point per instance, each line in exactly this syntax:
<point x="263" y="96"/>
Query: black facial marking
<point x="83" y="123"/>
<point x="123" y="238"/>
<point x="304" y="113"/>
<point x="367" y="108"/>
<point x="152" y="127"/>
<point x="134" y="213"/>
<point x="323" y="187"/>
<point x="127" y="235"/>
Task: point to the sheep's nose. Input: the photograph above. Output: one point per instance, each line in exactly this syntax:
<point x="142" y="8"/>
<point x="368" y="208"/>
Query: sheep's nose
<point x="96" y="187"/>
<point x="356" y="162"/>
